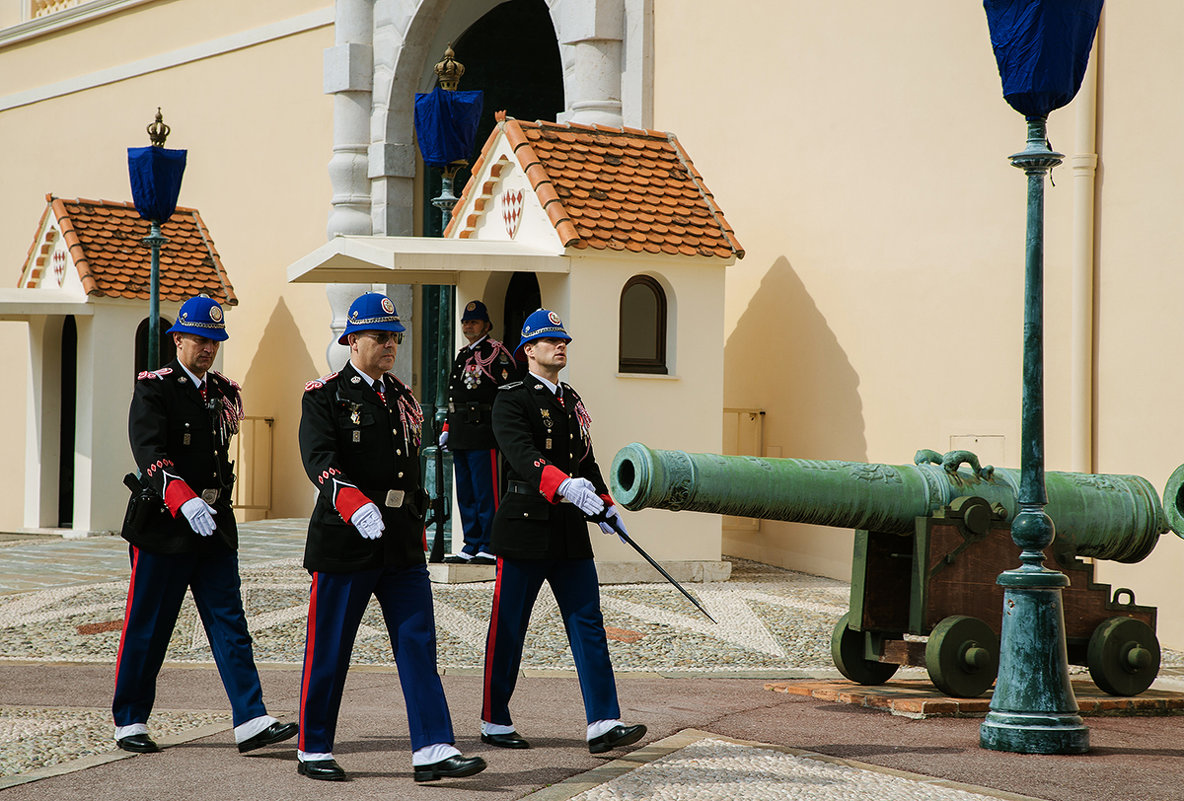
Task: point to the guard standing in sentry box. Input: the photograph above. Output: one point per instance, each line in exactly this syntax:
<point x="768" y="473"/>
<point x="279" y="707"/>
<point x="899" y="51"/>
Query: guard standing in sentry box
<point x="183" y="535"/>
<point x="541" y="534"/>
<point x="360" y="432"/>
<point x="481" y="366"/>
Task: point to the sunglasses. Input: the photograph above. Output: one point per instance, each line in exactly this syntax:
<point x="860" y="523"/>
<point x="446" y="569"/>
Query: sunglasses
<point x="383" y="337"/>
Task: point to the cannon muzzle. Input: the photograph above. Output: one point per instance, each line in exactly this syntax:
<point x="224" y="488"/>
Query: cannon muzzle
<point x="1115" y="517"/>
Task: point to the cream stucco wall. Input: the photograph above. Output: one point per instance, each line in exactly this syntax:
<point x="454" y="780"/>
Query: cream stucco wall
<point x="879" y="307"/>
<point x="259" y="133"/>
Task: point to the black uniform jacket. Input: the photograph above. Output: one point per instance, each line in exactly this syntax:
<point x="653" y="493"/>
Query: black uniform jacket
<point x="543" y="443"/>
<point x="476" y="375"/>
<point x="181" y="446"/>
<point x="355" y="449"/>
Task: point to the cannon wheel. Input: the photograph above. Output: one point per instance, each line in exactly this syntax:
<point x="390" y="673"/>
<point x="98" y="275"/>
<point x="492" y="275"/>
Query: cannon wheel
<point x="846" y="648"/>
<point x="962" y="656"/>
<point x="1123" y="656"/>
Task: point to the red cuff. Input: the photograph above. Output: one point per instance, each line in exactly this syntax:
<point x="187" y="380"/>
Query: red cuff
<point x="608" y="500"/>
<point x="445" y="428"/>
<point x="350" y="500"/>
<point x="176" y="494"/>
<point x="550" y="480"/>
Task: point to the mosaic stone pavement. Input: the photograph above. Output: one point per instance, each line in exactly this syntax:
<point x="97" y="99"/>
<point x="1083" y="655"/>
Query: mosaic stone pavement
<point x="770" y="620"/>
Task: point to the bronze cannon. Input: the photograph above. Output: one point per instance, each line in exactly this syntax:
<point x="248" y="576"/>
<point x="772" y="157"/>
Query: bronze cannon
<point x="930" y="539"/>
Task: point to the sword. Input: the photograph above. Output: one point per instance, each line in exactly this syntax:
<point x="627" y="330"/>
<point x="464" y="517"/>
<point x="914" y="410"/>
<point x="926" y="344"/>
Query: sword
<point x="616" y="524"/>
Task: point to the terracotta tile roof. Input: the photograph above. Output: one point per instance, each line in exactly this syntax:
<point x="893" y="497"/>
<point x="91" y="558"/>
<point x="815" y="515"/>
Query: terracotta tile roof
<point x="611" y="189"/>
<point x="104" y="240"/>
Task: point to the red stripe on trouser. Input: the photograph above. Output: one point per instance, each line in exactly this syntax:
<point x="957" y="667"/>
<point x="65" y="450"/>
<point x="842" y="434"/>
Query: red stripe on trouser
<point x="127" y="610"/>
<point x="496" y="482"/>
<point x="309" y="645"/>
<point x="490" y="643"/>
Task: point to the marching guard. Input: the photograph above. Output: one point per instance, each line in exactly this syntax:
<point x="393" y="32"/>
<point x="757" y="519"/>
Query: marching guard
<point x="360" y="432"/>
<point x="540" y="534"/>
<point x="182" y="534"/>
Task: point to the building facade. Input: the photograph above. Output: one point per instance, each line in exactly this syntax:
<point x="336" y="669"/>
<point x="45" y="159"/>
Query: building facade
<point x="878" y="309"/>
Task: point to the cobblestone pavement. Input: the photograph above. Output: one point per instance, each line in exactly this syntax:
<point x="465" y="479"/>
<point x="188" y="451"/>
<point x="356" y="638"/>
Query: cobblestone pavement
<point x="62" y="601"/>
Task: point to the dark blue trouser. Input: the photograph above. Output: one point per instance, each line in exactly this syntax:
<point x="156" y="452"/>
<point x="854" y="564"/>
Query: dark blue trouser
<point x="157" y="588"/>
<point x="477" y="495"/>
<point x="577" y="591"/>
<point x="336" y="604"/>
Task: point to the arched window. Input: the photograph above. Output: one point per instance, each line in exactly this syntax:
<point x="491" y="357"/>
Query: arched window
<point x="642" y="343"/>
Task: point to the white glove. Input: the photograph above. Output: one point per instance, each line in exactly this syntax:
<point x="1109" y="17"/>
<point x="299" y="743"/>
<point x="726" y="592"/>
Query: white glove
<point x="368" y="521"/>
<point x="581" y="493"/>
<point x="200" y="516"/>
<point x="607" y="526"/>
<point x="443" y="440"/>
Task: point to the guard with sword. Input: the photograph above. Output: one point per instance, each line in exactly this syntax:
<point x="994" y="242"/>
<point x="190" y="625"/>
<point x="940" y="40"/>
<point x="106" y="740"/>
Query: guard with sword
<point x="540" y="533"/>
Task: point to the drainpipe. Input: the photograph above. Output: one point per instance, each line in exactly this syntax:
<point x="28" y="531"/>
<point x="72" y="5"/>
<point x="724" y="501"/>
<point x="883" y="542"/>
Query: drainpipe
<point x="1084" y="166"/>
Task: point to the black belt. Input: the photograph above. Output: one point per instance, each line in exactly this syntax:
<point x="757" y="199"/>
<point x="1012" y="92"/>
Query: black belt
<point x="523" y="488"/>
<point x="482" y="407"/>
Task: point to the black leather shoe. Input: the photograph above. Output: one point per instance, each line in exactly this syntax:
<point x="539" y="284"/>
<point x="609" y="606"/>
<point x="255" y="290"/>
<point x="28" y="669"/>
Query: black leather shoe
<point x="616" y="737"/>
<point x="511" y="740"/>
<point x="482" y="560"/>
<point x="324" y="769"/>
<point x="138" y="744"/>
<point x="456" y="560"/>
<point x="275" y="733"/>
<point x="452" y="768"/>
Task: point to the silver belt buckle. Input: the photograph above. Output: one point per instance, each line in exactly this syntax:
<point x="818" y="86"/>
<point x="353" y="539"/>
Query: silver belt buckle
<point x="210" y="496"/>
<point x="394" y="498"/>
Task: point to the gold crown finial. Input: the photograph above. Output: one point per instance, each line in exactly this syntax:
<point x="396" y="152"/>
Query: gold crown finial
<point x="158" y="131"/>
<point x="449" y="70"/>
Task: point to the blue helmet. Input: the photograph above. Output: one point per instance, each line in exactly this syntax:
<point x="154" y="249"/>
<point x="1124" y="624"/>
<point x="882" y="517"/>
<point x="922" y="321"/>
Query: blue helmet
<point x="373" y="311"/>
<point x="542" y="324"/>
<point x="475" y="310"/>
<point x="201" y="315"/>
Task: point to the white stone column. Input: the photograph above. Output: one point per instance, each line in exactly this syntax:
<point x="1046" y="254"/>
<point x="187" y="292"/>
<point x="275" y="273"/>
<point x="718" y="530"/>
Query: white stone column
<point x="349" y="70"/>
<point x="591" y="41"/>
<point x="43" y="416"/>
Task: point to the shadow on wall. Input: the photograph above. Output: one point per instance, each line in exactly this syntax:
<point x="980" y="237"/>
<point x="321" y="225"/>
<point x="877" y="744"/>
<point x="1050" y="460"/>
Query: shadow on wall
<point x="273" y="387"/>
<point x="783" y="357"/>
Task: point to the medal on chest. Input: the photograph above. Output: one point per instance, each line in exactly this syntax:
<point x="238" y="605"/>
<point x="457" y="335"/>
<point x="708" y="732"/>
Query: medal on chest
<point x="550" y="424"/>
<point x="355" y="418"/>
<point x="471" y="375"/>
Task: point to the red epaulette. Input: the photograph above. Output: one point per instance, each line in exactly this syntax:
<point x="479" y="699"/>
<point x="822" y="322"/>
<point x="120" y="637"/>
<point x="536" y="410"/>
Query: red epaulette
<point x="317" y="383"/>
<point x="161" y="373"/>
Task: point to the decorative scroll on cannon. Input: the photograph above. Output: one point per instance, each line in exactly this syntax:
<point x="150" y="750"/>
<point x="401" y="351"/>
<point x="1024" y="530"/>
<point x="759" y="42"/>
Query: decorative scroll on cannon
<point x="930" y="539"/>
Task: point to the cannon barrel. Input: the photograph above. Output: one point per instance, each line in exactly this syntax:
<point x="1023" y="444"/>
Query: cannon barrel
<point x="1115" y="517"/>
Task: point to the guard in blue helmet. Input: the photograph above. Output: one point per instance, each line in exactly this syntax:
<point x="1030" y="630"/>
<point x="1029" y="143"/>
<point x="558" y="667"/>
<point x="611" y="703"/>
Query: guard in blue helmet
<point x="541" y="323"/>
<point x="360" y="432"/>
<point x="373" y="311"/>
<point x="201" y="316"/>
<point x="540" y="534"/>
<point x="481" y="366"/>
<point x="183" y="536"/>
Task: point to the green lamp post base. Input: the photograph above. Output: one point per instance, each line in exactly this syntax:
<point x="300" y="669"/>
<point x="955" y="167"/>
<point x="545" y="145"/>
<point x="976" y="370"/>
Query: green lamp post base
<point x="1033" y="709"/>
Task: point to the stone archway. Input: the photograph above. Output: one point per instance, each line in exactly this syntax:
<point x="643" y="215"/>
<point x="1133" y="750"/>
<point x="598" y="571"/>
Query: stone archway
<point x="384" y="53"/>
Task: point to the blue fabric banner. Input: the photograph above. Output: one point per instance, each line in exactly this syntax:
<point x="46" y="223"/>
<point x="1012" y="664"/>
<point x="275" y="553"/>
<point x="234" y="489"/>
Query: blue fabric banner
<point x="155" y="175"/>
<point x="446" y="124"/>
<point x="1042" y="49"/>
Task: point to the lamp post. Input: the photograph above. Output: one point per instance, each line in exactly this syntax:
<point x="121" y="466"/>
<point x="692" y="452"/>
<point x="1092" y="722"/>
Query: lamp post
<point x="155" y="173"/>
<point x="446" y="125"/>
<point x="1042" y="48"/>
